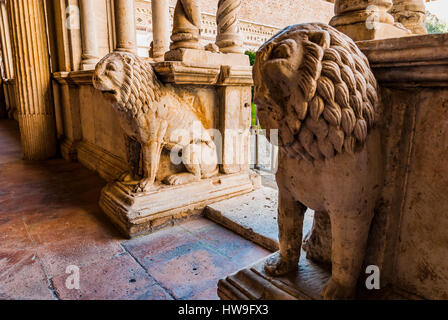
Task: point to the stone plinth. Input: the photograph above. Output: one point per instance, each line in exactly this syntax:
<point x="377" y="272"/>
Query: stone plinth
<point x="140" y="213"/>
<point x="252" y="283"/>
<point x="203" y="57"/>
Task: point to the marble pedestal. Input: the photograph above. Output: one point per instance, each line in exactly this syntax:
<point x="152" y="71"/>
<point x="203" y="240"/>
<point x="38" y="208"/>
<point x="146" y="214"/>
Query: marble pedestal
<point x="140" y="213"/>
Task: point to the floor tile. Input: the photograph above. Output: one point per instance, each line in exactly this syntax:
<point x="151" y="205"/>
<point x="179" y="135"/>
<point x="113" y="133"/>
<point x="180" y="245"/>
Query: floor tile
<point x="119" y="278"/>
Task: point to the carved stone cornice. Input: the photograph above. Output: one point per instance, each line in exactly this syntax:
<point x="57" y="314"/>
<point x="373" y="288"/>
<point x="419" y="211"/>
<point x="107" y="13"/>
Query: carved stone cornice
<point x="417" y="61"/>
<point x="183" y="73"/>
<point x="74" y="77"/>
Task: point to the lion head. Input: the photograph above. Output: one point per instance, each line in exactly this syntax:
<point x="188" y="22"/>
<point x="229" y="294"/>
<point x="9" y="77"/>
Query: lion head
<point x="315" y="86"/>
<point x="128" y="81"/>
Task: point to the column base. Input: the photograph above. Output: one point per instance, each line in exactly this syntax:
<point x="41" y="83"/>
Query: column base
<point x="202" y="57"/>
<point x="359" y="31"/>
<point x="142" y="213"/>
<point x="69" y="151"/>
<point x="38" y="136"/>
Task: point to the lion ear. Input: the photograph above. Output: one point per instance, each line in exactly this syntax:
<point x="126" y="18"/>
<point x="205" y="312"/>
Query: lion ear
<point x="128" y="59"/>
<point x="321" y="38"/>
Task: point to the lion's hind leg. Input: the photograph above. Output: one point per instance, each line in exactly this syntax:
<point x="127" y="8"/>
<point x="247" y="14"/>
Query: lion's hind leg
<point x="191" y="158"/>
<point x="349" y="231"/>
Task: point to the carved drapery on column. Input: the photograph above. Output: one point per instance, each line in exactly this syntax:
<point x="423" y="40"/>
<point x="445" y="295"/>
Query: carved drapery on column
<point x="32" y="66"/>
<point x="124" y="11"/>
<point x="89" y="36"/>
<point x="186" y="25"/>
<point x="160" y="28"/>
<point x="229" y="39"/>
<point x="366" y="19"/>
<point x="411" y="14"/>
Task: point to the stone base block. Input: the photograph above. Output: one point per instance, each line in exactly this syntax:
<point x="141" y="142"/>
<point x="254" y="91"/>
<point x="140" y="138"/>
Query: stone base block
<point x="361" y="31"/>
<point x="252" y="283"/>
<point x="141" y="213"/>
<point x="204" y="57"/>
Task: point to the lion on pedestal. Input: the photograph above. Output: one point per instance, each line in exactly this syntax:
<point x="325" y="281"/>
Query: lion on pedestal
<point x="315" y="86"/>
<point x="154" y="116"/>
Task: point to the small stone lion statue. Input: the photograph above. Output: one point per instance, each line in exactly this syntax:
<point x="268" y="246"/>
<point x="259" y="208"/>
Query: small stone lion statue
<point x="153" y="117"/>
<point x="315" y="86"/>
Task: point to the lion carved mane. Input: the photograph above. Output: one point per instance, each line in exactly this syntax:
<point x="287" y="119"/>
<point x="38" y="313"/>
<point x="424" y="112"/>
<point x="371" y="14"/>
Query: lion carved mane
<point x="330" y="99"/>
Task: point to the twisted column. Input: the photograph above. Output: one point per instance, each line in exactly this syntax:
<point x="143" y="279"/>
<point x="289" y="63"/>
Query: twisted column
<point x="125" y="29"/>
<point x="186" y="25"/>
<point x="411" y="14"/>
<point x="229" y="38"/>
<point x="32" y="66"/>
<point x="89" y="38"/>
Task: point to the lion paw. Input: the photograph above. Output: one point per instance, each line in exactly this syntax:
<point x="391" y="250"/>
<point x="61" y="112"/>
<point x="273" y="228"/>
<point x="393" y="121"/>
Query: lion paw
<point x="182" y="178"/>
<point x="277" y="266"/>
<point x="143" y="186"/>
<point x="335" y="291"/>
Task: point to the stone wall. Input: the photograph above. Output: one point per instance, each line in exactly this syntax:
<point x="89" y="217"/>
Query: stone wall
<point x="260" y="19"/>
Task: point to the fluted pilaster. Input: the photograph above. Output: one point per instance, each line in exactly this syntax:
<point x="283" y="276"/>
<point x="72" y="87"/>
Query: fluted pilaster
<point x="366" y="19"/>
<point x="125" y="29"/>
<point x="229" y="39"/>
<point x="31" y="60"/>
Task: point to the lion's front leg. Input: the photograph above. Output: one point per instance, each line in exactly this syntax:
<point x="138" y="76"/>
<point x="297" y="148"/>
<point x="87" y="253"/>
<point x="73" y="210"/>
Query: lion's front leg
<point x="290" y="222"/>
<point x="349" y="231"/>
<point x="151" y="161"/>
<point x="133" y="151"/>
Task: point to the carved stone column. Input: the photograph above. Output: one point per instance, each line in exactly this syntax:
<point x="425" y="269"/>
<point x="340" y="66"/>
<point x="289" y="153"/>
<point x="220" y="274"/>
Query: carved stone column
<point x="160" y="28"/>
<point x="411" y="14"/>
<point x="89" y="37"/>
<point x="125" y="26"/>
<point x="229" y="38"/>
<point x="366" y="19"/>
<point x="187" y="25"/>
<point x="31" y="60"/>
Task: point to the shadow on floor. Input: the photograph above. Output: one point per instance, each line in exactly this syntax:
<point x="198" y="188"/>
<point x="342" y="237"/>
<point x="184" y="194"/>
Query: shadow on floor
<point x="52" y="229"/>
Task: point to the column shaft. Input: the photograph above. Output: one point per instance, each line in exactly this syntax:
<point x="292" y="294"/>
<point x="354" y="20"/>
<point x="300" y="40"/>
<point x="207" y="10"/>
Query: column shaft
<point x="89" y="35"/>
<point x="160" y="28"/>
<point x="229" y="39"/>
<point x="125" y="29"/>
<point x="32" y="66"/>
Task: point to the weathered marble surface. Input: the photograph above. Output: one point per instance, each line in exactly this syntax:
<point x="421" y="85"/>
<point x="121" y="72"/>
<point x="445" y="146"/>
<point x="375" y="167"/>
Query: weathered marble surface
<point x="315" y="86"/>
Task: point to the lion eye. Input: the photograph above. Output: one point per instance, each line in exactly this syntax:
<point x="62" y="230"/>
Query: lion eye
<point x="282" y="51"/>
<point x="111" y="67"/>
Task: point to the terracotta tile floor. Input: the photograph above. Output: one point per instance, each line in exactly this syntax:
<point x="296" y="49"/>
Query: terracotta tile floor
<point x="50" y="219"/>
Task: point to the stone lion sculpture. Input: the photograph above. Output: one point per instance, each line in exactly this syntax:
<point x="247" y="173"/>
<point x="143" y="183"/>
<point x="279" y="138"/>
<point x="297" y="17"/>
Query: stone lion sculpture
<point x="315" y="86"/>
<point x="153" y="117"/>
